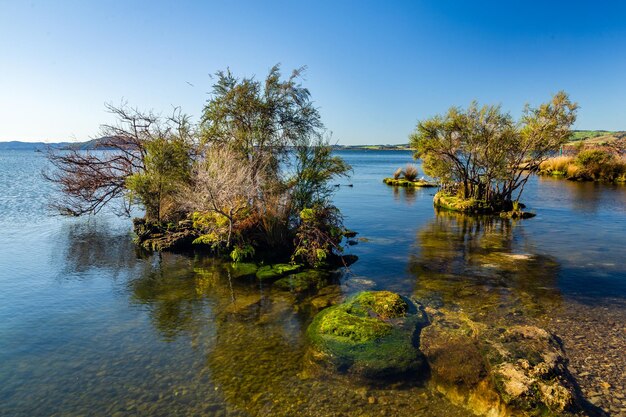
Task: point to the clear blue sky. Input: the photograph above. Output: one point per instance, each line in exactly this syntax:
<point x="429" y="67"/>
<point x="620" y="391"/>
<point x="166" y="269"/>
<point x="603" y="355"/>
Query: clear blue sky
<point x="374" y="68"/>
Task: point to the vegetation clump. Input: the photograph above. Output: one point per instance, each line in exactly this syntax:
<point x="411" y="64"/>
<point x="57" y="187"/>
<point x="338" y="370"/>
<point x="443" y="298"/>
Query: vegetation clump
<point x="371" y="334"/>
<point x="251" y="179"/>
<point x="483" y="158"/>
<point x="603" y="163"/>
<point x="407" y="177"/>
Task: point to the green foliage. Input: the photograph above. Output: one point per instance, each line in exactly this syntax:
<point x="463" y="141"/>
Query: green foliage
<point x="214" y="228"/>
<point x="484" y="153"/>
<point x="241" y="252"/>
<point x="259" y="120"/>
<point x="268" y="272"/>
<point x="579" y="135"/>
<point x="319" y="235"/>
<point x="273" y="129"/>
<point x="167" y="166"/>
<point x="599" y="164"/>
<point x="315" y="166"/>
<point x="594" y="158"/>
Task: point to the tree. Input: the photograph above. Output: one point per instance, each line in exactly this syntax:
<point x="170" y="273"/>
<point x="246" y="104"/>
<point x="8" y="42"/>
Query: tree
<point x="481" y="153"/>
<point x="260" y="120"/>
<point x="314" y="167"/>
<point x="91" y="179"/>
<point x="167" y="167"/>
<point x="240" y="177"/>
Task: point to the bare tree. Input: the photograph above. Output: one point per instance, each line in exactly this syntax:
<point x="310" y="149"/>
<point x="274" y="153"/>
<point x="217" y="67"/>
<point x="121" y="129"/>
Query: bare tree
<point x="90" y="179"/>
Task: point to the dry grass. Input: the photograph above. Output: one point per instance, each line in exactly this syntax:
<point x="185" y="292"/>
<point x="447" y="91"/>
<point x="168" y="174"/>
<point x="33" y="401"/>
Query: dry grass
<point x="556" y="166"/>
<point x="397" y="173"/>
<point x="610" y="168"/>
<point x="410" y="172"/>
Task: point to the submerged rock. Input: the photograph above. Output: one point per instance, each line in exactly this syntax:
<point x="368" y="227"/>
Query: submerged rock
<point x="303" y="281"/>
<point x="242" y="269"/>
<point x="519" y="371"/>
<point x="270" y="272"/>
<point x="372" y="334"/>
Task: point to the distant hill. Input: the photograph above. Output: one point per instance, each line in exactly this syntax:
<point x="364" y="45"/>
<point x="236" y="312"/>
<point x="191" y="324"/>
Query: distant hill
<point x="373" y="147"/>
<point x="597" y="136"/>
<point x="43" y="146"/>
<point x="31" y="146"/>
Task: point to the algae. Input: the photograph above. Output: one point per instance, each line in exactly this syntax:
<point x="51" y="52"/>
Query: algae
<point x="270" y="272"/>
<point x="372" y="334"/>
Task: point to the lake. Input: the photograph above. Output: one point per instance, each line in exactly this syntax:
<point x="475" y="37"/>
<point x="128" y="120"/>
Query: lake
<point x="91" y="325"/>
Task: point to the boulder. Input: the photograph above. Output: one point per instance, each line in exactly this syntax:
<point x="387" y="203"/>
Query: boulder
<point x="372" y="334"/>
<point x="495" y="371"/>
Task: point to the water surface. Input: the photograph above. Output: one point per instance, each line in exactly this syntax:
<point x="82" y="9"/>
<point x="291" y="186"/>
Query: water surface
<point x="91" y="325"/>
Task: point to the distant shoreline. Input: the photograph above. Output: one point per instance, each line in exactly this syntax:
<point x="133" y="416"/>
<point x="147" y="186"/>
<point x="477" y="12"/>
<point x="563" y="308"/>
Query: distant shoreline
<point x="592" y="136"/>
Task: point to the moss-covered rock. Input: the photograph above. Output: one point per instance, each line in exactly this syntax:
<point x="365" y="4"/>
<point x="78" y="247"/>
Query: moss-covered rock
<point x="271" y="272"/>
<point x="463" y="205"/>
<point x="403" y="182"/>
<point x="303" y="281"/>
<point x="372" y="334"/>
<point x="521" y="370"/>
<point x="449" y="202"/>
<point x="242" y="269"/>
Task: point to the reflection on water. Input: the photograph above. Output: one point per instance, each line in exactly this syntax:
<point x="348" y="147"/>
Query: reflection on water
<point x="89" y="325"/>
<point x="407" y="194"/>
<point x="97" y="244"/>
<point x="483" y="264"/>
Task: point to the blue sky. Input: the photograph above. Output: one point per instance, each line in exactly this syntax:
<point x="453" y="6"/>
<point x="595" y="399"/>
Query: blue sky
<point x="374" y="68"/>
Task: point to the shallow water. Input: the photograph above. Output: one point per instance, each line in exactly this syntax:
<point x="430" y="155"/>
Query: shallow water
<point x="90" y="325"/>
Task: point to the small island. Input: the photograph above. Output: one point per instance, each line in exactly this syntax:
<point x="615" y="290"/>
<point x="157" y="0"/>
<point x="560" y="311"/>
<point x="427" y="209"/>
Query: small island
<point x="407" y="177"/>
<point x="250" y="181"/>
<point x="483" y="158"/>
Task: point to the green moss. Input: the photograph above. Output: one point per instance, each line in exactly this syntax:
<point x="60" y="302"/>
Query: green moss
<point x="242" y="269"/>
<point x="454" y="203"/>
<point x="384" y="304"/>
<point x="371" y="334"/>
<point x="402" y="182"/>
<point x="302" y="281"/>
<point x="275" y="271"/>
<point x="337" y="322"/>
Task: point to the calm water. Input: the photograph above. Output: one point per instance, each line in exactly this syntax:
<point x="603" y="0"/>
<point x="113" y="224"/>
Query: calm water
<point x="90" y="325"/>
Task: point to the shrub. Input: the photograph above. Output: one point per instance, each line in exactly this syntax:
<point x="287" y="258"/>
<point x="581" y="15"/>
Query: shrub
<point x="397" y="173"/>
<point x="410" y="172"/>
<point x="319" y="235"/>
<point x="599" y="164"/>
<point x="556" y="165"/>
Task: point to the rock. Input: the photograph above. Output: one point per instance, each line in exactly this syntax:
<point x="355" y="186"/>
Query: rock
<point x="270" y="272"/>
<point x="303" y="281"/>
<point x="242" y="269"/>
<point x="521" y="370"/>
<point x="162" y="236"/>
<point x="530" y="370"/>
<point x="453" y="353"/>
<point x="371" y="334"/>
